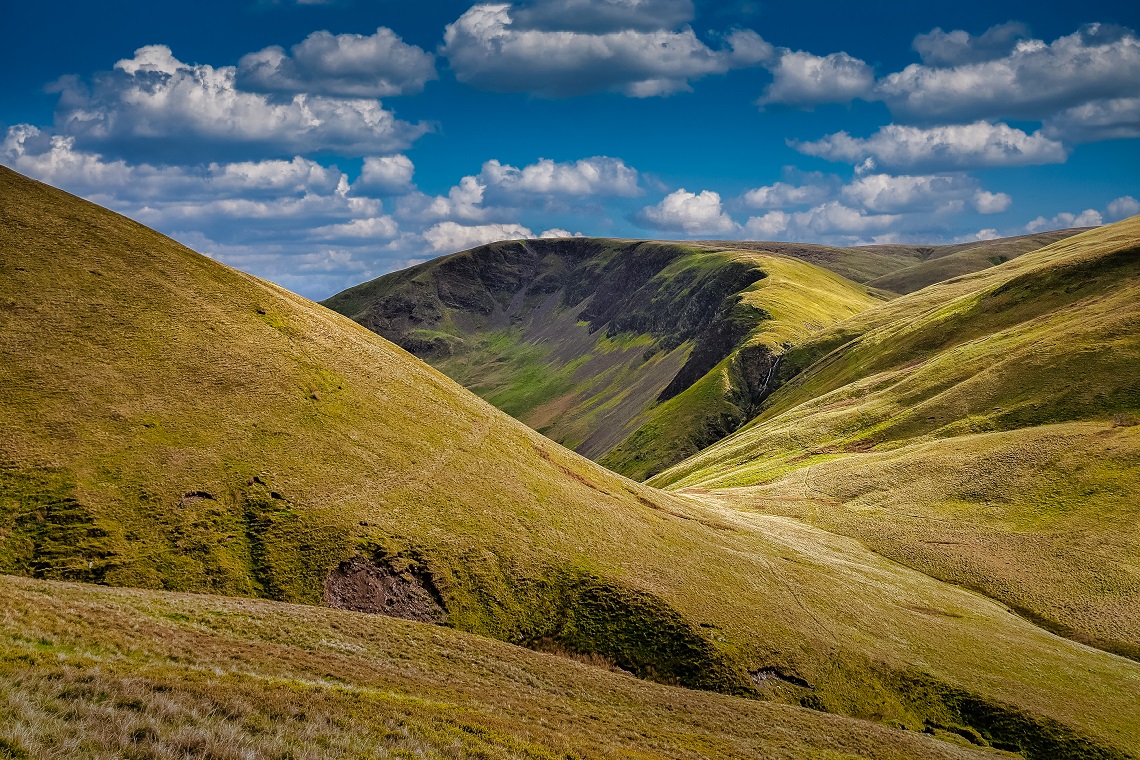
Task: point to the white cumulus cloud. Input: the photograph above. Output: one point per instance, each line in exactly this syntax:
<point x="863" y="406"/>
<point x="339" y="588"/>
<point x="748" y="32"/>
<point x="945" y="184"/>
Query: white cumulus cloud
<point x="1113" y="119"/>
<point x="800" y="78"/>
<point x="599" y="175"/>
<point x="958" y="47"/>
<point x="833" y="221"/>
<point x="385" y="175"/>
<point x="1087" y="218"/>
<point x="689" y="213"/>
<point x="487" y="49"/>
<point x="1122" y="208"/>
<point x="986" y="202"/>
<point x="341" y="65"/>
<point x="885" y="193"/>
<point x="940" y="147"/>
<point x="784" y="195"/>
<point x="450" y="236"/>
<point x="596" y="16"/>
<point x="1033" y="81"/>
<point x="155" y="105"/>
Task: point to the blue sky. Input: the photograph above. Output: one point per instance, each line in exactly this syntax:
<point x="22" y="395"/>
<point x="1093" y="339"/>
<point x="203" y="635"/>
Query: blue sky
<point x="320" y="144"/>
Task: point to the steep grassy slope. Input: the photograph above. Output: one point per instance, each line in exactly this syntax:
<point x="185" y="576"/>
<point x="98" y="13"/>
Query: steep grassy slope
<point x="171" y="423"/>
<point x="980" y="430"/>
<point x="944" y="262"/>
<point x="112" y="673"/>
<point x="637" y="354"/>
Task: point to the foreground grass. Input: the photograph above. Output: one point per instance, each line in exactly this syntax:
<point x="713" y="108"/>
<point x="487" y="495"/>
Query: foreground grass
<point x="96" y="672"/>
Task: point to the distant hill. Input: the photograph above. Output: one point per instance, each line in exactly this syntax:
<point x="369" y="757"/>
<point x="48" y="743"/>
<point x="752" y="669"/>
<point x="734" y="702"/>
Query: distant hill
<point x="902" y="267"/>
<point x="984" y="430"/>
<point x="170" y="423"/>
<point x="947" y="261"/>
<point x="637" y="354"/>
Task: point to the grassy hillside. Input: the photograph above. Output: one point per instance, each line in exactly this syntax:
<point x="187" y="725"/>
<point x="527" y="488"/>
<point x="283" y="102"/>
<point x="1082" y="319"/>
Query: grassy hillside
<point x="637" y="354"/>
<point x="112" y="673"/>
<point x="945" y="262"/>
<point x="902" y="267"/>
<point x="981" y="430"/>
<point x="173" y="424"/>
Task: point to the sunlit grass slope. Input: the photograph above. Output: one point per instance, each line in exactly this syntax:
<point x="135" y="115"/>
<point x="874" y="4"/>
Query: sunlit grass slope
<point x="171" y="423"/>
<point x="634" y="353"/>
<point x="944" y="262"/>
<point x="88" y="672"/>
<point x="980" y="430"/>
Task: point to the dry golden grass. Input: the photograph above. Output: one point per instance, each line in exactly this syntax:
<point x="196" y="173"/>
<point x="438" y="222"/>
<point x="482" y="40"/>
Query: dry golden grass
<point x="102" y="673"/>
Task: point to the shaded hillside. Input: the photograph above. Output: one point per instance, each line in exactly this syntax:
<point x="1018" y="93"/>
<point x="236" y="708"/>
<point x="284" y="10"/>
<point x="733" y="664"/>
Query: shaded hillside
<point x="983" y="430"/>
<point x="637" y="354"/>
<point x="171" y="423"/>
<point x="98" y="672"/>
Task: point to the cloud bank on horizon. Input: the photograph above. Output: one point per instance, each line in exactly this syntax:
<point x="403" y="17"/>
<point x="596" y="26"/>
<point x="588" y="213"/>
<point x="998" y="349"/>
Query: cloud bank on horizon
<point x="608" y="117"/>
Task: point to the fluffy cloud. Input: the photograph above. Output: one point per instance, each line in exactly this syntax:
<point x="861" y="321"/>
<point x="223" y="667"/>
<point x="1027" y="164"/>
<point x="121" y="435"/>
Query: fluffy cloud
<point x="599" y="16"/>
<point x="508" y="187"/>
<point x="155" y="105"/>
<point x="1122" y="208"/>
<point x="385" y="175"/>
<point x="986" y="202"/>
<point x="450" y="236"/>
<point x="800" y="78"/>
<point x="342" y="65"/>
<point x="55" y="159"/>
<point x="599" y="175"/>
<point x="487" y="49"/>
<point x="884" y="193"/>
<point x="463" y="202"/>
<point x="943" y="147"/>
<point x="373" y="228"/>
<point x="828" y="221"/>
<point x="1033" y="81"/>
<point x="1087" y="218"/>
<point x="784" y="195"/>
<point x="1118" y="118"/>
<point x="689" y="213"/>
<point x="939" y="48"/>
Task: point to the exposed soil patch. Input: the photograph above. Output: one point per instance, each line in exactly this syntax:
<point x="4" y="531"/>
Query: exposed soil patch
<point x="362" y="585"/>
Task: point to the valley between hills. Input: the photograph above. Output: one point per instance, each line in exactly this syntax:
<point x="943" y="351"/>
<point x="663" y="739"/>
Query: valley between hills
<point x="569" y="498"/>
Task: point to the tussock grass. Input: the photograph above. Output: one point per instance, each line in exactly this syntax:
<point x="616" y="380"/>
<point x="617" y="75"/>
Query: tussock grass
<point x="115" y="673"/>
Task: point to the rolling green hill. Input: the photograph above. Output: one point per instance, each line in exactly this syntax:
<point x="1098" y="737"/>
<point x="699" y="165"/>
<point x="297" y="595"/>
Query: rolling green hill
<point x="982" y="430"/>
<point x="636" y="354"/>
<point x="947" y="261"/>
<point x="170" y="423"/>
